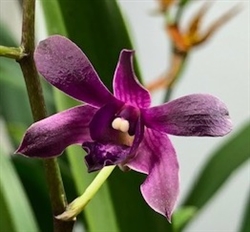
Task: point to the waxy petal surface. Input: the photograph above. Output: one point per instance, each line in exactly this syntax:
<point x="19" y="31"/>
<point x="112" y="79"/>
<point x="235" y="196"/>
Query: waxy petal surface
<point x="156" y="157"/>
<point x="50" y="136"/>
<point x="101" y="125"/>
<point x="126" y="85"/>
<point x="139" y="133"/>
<point x="192" y="115"/>
<point x="66" y="67"/>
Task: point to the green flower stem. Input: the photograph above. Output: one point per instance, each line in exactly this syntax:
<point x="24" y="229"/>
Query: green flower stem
<point x="180" y="57"/>
<point x="178" y="68"/>
<point x="79" y="203"/>
<point x="181" y="7"/>
<point x="36" y="99"/>
<point x="12" y="52"/>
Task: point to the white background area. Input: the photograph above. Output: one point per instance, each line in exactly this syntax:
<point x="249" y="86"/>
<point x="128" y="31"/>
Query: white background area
<point x="221" y="68"/>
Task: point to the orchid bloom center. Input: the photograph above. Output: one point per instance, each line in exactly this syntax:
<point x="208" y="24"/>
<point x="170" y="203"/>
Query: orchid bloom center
<point x="121" y="124"/>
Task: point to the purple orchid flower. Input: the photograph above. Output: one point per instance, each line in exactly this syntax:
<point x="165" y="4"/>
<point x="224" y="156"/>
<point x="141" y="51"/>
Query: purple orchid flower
<point x="119" y="128"/>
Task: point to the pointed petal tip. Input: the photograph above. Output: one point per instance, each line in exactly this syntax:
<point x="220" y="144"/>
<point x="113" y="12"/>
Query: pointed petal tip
<point x="157" y="158"/>
<point x="127" y="56"/>
<point x="168" y="215"/>
<point x="49" y="137"/>
<point x="18" y="151"/>
<point x="126" y="85"/>
<point x="30" y="152"/>
<point x="22" y="150"/>
<point x="128" y="51"/>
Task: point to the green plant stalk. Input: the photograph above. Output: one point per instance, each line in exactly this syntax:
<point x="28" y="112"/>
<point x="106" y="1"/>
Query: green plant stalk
<point x="12" y="52"/>
<point x="176" y="54"/>
<point x="180" y="10"/>
<point x="245" y="224"/>
<point x="34" y="89"/>
<point x="182" y="57"/>
<point x="79" y="203"/>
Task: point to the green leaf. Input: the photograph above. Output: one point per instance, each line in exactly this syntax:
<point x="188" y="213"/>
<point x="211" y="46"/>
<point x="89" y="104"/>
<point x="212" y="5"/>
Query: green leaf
<point x="219" y="167"/>
<point x="53" y="17"/>
<point x="245" y="225"/>
<point x="13" y="96"/>
<point x="14" y="102"/>
<point x="133" y="213"/>
<point x="98" y="28"/>
<point x="6" y="38"/>
<point x="17" y="215"/>
<point x="12" y="88"/>
<point x="36" y="187"/>
<point x="184" y="2"/>
<point x="181" y="216"/>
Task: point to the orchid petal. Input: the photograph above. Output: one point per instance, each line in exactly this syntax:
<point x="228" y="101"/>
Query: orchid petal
<point x="50" y="136"/>
<point x="139" y="133"/>
<point x="156" y="157"/>
<point x="192" y="115"/>
<point x="126" y="85"/>
<point x="66" y="67"/>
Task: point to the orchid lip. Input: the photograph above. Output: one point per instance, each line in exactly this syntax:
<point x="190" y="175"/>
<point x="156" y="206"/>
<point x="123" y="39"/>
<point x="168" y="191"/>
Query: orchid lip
<point x="103" y="154"/>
